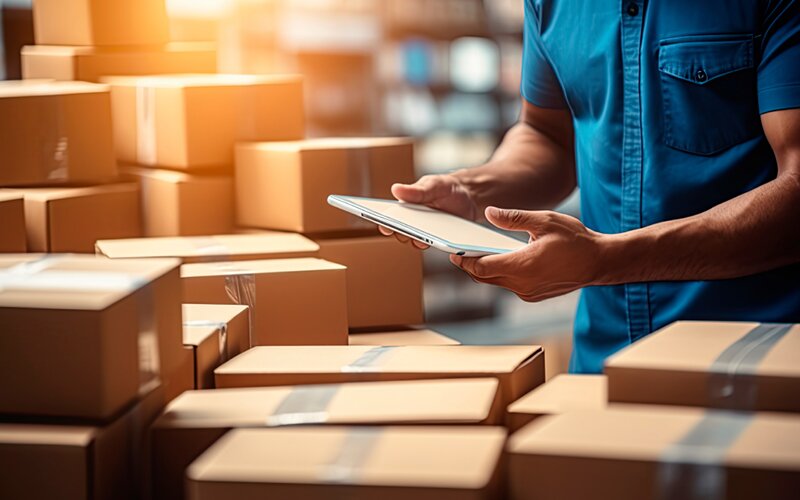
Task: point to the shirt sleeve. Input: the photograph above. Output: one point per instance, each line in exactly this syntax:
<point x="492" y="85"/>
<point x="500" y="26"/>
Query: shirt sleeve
<point x="539" y="84"/>
<point x="779" y="64"/>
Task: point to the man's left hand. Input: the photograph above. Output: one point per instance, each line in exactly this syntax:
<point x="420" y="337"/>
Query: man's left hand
<point x="562" y="255"/>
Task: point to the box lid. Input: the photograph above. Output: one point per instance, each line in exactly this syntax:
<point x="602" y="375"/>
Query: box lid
<point x="200" y="80"/>
<point x="564" y="393"/>
<point x="258" y="267"/>
<point x="397" y="359"/>
<point x="204" y="246"/>
<point x="196" y="335"/>
<point x="328" y="143"/>
<point x="214" y="313"/>
<point x="402" y="337"/>
<point x="439" y="457"/>
<point x="29" y="88"/>
<point x="430" y="401"/>
<point x="766" y="440"/>
<point x="695" y="345"/>
<point x="10" y="195"/>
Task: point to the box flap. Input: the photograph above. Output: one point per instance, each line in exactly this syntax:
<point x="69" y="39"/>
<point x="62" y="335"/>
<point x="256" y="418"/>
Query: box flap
<point x="564" y="393"/>
<point x="221" y="313"/>
<point x="196" y="335"/>
<point x="258" y="267"/>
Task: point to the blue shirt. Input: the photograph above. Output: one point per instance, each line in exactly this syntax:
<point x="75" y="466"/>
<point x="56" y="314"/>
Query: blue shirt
<point x="665" y="97"/>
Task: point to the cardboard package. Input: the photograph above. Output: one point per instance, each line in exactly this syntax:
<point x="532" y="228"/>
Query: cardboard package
<point x="351" y="462"/>
<point x="409" y="336"/>
<point x="291" y="301"/>
<point x="285" y="185"/>
<point x="195" y="420"/>
<point x="384" y="279"/>
<point x="98" y="22"/>
<point x="192" y="122"/>
<point x="81" y="334"/>
<point x="42" y="461"/>
<point x="744" y="366"/>
<point x="214" y="332"/>
<point x="71" y="219"/>
<point x="92" y="64"/>
<point x="180" y="204"/>
<point x="560" y="394"/>
<point x="656" y="452"/>
<point x="12" y="223"/>
<point x="193" y="249"/>
<point x="519" y="368"/>
<point x="54" y="133"/>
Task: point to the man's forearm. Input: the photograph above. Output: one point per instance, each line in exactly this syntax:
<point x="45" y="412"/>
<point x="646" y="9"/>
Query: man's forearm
<point x="751" y="233"/>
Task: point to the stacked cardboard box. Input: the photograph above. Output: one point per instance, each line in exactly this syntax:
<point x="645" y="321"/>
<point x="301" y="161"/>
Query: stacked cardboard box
<point x="561" y="394"/>
<point x="407" y="336"/>
<point x="12" y="223"/>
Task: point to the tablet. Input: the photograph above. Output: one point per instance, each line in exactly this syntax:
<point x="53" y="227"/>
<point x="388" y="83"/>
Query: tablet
<point x="438" y="229"/>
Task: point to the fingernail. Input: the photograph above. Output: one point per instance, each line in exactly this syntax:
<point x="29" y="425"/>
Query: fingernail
<point x="456" y="259"/>
<point x="492" y="211"/>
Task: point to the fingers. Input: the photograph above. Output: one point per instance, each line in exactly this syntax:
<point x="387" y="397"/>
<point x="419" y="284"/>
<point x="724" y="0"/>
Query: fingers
<point x="385" y="231"/>
<point x="402" y="238"/>
<point x="517" y="220"/>
<point x="426" y="190"/>
<point x="481" y="268"/>
<point x="420" y="245"/>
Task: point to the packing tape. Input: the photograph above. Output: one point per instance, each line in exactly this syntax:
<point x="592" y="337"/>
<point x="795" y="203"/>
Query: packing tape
<point x="146" y="134"/>
<point x="358" y="445"/>
<point x="304" y="405"/>
<point x="733" y="384"/>
<point x="223" y="334"/>
<point x="241" y="289"/>
<point x="693" y="468"/>
<point x="368" y="361"/>
<point x="359" y="178"/>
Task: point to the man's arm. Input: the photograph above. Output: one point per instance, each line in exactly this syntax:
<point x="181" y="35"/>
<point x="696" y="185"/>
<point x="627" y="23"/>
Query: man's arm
<point x="754" y="232"/>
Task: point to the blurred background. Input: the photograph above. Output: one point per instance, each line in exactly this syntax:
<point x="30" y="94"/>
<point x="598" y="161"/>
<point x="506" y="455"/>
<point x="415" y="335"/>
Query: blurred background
<point x="445" y="72"/>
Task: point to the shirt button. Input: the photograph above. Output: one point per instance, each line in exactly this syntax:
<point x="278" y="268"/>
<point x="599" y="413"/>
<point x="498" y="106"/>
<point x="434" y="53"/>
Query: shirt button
<point x="633" y="9"/>
<point x="701" y="75"/>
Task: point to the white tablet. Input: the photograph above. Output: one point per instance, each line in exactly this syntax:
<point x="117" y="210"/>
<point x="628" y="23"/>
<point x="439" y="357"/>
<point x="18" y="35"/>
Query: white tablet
<point x="433" y="227"/>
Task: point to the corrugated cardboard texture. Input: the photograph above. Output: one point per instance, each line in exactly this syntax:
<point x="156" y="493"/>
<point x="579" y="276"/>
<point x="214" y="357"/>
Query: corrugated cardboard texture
<point x="558" y="395"/>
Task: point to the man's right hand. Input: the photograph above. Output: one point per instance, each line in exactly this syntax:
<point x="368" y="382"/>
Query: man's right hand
<point x="444" y="192"/>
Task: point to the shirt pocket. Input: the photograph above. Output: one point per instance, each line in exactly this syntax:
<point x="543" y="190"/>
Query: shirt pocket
<point x="708" y="87"/>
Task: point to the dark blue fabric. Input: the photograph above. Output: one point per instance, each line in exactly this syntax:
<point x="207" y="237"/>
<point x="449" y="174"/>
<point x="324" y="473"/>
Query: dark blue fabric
<point x="666" y="98"/>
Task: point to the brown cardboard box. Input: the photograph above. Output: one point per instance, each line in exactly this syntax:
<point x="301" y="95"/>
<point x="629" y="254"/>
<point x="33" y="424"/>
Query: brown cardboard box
<point x="191" y="249"/>
<point x="12" y="223"/>
<point x="519" y="368"/>
<point x="560" y="394"/>
<point x="351" y="462"/>
<point x="91" y="64"/>
<point x="233" y="321"/>
<point x="192" y="122"/>
<point x="743" y="366"/>
<point x="409" y="336"/>
<point x="206" y="344"/>
<point x="71" y="219"/>
<point x="195" y="420"/>
<point x="286" y="185"/>
<point x="80" y="334"/>
<point x="292" y="301"/>
<point x="54" y="133"/>
<point x="68" y="461"/>
<point x="656" y="452"/>
<point x="180" y="204"/>
<point x="97" y="22"/>
<point x="384" y="279"/>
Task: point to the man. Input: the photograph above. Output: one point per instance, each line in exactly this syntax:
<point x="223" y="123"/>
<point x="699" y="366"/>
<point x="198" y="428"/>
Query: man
<point x="678" y="119"/>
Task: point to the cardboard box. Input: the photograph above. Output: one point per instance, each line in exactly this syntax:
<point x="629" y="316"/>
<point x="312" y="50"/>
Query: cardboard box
<point x="69" y="461"/>
<point x="744" y="366"/>
<point x="519" y="368"/>
<point x="291" y="301"/>
<point x="12" y="223"/>
<point x="195" y="420"/>
<point x="192" y="122"/>
<point x="351" y="462"/>
<point x="192" y="249"/>
<point x="233" y="321"/>
<point x="656" y="452"/>
<point x="54" y="133"/>
<point x="71" y="219"/>
<point x="286" y="185"/>
<point x="91" y="64"/>
<point x="384" y="279"/>
<point x="81" y="334"/>
<point x="560" y="394"/>
<point x="409" y="336"/>
<point x="97" y="22"/>
<point x="180" y="204"/>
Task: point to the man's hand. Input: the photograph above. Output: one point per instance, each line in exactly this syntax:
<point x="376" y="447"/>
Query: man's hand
<point x="444" y="192"/>
<point x="562" y="255"/>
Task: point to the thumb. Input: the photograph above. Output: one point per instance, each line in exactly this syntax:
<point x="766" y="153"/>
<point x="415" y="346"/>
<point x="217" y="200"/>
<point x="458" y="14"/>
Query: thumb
<point x="426" y="190"/>
<point x="515" y="220"/>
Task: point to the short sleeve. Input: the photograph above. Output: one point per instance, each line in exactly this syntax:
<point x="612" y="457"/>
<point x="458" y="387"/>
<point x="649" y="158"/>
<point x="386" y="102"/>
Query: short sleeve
<point x="779" y="63"/>
<point x="539" y="83"/>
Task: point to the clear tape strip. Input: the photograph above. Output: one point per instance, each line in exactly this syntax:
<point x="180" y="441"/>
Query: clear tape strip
<point x="368" y="362"/>
<point x="732" y="383"/>
<point x="146" y="134"/>
<point x="223" y="334"/>
<point x="241" y="289"/>
<point x="358" y="445"/>
<point x="304" y="405"/>
<point x="692" y="468"/>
